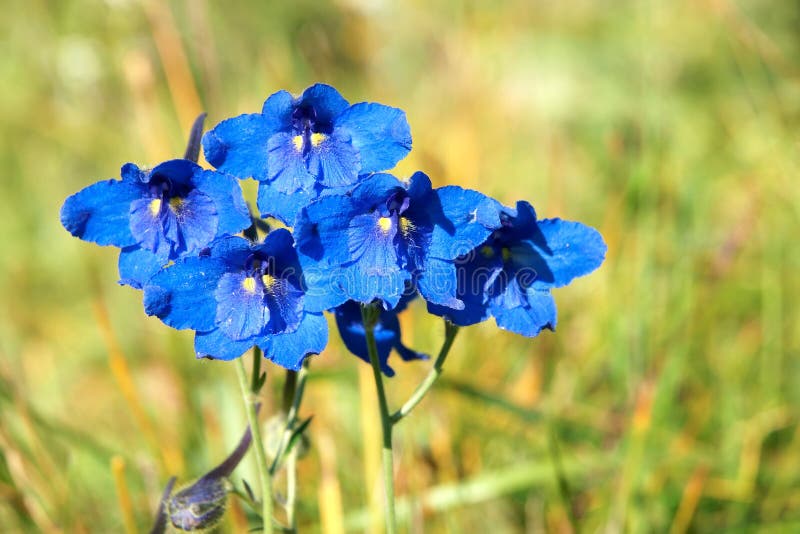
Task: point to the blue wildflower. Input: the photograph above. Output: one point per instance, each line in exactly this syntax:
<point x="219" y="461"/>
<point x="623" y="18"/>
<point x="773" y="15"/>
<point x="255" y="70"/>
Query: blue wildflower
<point x="237" y="294"/>
<point x="370" y="244"/>
<point x="387" y="333"/>
<point x="299" y="147"/>
<point x="156" y="216"/>
<point x="510" y="275"/>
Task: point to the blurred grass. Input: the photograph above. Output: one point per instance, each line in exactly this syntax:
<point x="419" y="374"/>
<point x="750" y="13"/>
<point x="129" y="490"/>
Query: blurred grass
<point x="671" y="385"/>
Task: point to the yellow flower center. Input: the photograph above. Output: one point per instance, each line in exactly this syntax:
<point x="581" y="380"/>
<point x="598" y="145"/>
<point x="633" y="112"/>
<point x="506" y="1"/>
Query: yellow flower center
<point x="155" y="207"/>
<point x="506" y="253"/>
<point x="297" y="140"/>
<point x="249" y="284"/>
<point x="487" y="251"/>
<point x="385" y="224"/>
<point x="317" y="138"/>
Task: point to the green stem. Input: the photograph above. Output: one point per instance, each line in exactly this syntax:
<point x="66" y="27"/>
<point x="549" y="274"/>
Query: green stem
<point x="450" y="331"/>
<point x="369" y="316"/>
<point x="264" y="476"/>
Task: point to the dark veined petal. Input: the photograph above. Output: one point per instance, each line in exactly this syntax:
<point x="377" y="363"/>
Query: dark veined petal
<point x="538" y="313"/>
<point x="288" y="171"/>
<point x="561" y="251"/>
<point x="182" y="295"/>
<point x="233" y="250"/>
<point x="149" y="227"/>
<point x="290" y="349"/>
<point x="217" y="346"/>
<point x="100" y="213"/>
<point x="197" y="221"/>
<point x="224" y="190"/>
<point x="137" y="265"/>
<point x="374" y="190"/>
<point x="241" y="312"/>
<point x="381" y="134"/>
<point x="326" y="101"/>
<point x="238" y="145"/>
<point x="334" y="161"/>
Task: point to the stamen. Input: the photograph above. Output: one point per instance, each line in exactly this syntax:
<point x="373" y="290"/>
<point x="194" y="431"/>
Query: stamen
<point x="406" y="225"/>
<point x="487" y="251"/>
<point x="297" y="140"/>
<point x="269" y="281"/>
<point x="175" y="203"/>
<point x="506" y="253"/>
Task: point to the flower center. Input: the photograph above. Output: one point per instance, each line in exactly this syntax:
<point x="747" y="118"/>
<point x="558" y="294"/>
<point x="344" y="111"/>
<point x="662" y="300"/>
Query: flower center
<point x="385" y="224"/>
<point x="249" y="284"/>
<point x="269" y="282"/>
<point x="155" y="207"/>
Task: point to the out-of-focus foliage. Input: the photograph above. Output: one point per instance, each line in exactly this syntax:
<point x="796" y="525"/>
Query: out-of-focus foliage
<point x="667" y="398"/>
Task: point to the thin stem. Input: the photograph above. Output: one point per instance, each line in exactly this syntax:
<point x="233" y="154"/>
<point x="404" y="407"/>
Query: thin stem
<point x="369" y="317"/>
<point x="261" y="459"/>
<point x="291" y="488"/>
<point x="450" y="331"/>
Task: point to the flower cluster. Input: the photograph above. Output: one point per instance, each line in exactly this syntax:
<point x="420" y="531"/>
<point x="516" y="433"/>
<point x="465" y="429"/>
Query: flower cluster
<point x="358" y="236"/>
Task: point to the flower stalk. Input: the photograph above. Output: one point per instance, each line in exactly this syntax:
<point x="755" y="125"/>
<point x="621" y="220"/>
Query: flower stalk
<point x="264" y="475"/>
<point x="450" y="331"/>
<point x="369" y="315"/>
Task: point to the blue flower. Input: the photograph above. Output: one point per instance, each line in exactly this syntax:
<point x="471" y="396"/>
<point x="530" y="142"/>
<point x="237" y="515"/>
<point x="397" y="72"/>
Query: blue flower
<point x="238" y="294"/>
<point x="299" y="147"/>
<point x="155" y="216"/>
<point x="370" y="244"/>
<point x="387" y="333"/>
<point x="510" y="275"/>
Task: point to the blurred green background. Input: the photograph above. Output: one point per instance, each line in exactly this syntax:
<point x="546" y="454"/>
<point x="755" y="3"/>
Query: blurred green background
<point x="667" y="400"/>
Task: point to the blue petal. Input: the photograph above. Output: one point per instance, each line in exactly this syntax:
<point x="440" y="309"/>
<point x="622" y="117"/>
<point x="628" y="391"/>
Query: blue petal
<point x="380" y="134"/>
<point x="538" y="313"/>
<point x="288" y="172"/>
<point x="182" y="295"/>
<point x="562" y="251"/>
<point x="318" y="230"/>
<point x="290" y="349"/>
<point x="283" y="206"/>
<point x="241" y="312"/>
<point x="375" y="190"/>
<point x="217" y="346"/>
<point x="239" y="145"/>
<point x="226" y="193"/>
<point x="277" y="110"/>
<point x="326" y="101"/>
<point x="335" y="161"/>
<point x="100" y="213"/>
<point x="462" y="220"/>
<point x="325" y="287"/>
<point x="438" y="283"/>
<point x="232" y="249"/>
<point x="137" y="265"/>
